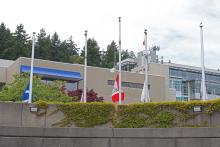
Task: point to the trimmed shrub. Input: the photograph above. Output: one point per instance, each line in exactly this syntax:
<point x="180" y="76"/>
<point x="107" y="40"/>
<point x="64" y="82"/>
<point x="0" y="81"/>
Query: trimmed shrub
<point x="92" y="96"/>
<point x="86" y="114"/>
<point x="46" y="92"/>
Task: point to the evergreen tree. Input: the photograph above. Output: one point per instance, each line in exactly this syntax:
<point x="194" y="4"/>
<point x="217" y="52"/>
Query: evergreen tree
<point x="43" y="45"/>
<point x="18" y="44"/>
<point x="132" y="55"/>
<point x="124" y="54"/>
<point x="93" y="55"/>
<point x="111" y="57"/>
<point x="72" y="47"/>
<point x="68" y="49"/>
<point x="6" y="43"/>
<point x="22" y="45"/>
<point x="55" y="45"/>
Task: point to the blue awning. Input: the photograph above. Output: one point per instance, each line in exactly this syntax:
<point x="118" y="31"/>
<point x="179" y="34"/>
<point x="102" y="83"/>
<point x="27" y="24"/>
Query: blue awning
<point x="53" y="73"/>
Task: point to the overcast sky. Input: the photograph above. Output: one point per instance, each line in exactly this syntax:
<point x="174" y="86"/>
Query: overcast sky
<point x="171" y="24"/>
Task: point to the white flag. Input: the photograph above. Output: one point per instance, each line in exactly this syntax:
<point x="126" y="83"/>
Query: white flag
<point x="81" y="100"/>
<point x="143" y="94"/>
<point x="144" y="98"/>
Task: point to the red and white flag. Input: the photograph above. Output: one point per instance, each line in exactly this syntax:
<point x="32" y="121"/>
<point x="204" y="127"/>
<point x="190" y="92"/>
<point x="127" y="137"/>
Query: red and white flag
<point x="115" y="91"/>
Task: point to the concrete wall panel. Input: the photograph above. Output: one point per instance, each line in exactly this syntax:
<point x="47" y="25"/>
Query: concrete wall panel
<point x="94" y="137"/>
<point x="21" y="142"/>
<point x="10" y="114"/>
<point x="31" y="119"/>
<point x="3" y="74"/>
<point x="53" y="116"/>
<point x="215" y="120"/>
<point x="76" y="142"/>
<point x="198" y="142"/>
<point x="13" y="70"/>
<point x="78" y="132"/>
<point x="135" y="142"/>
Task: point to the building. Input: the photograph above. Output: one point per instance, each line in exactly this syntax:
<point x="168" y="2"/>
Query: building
<point x="167" y="81"/>
<point x="101" y="80"/>
<point x="184" y="81"/>
<point x="127" y="64"/>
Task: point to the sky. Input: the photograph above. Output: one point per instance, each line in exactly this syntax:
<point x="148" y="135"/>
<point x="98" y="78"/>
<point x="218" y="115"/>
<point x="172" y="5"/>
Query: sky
<point x="172" y="24"/>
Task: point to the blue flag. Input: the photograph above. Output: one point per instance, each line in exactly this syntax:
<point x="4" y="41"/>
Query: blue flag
<point x="25" y="96"/>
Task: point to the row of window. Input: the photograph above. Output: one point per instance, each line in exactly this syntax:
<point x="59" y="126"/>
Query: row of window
<point x="211" y="88"/>
<point x="193" y="75"/>
<point x="127" y="66"/>
<point x="68" y="85"/>
<point x="182" y="98"/>
<point x="128" y="84"/>
<point x="183" y="88"/>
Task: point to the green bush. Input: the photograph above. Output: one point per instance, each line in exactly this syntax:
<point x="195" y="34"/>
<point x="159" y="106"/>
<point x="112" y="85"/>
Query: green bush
<point x="140" y="115"/>
<point x="41" y="91"/>
<point x="86" y="114"/>
<point x="143" y="115"/>
<point x="162" y="114"/>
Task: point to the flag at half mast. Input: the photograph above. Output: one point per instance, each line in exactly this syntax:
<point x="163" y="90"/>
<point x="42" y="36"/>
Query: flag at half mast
<point x="25" y="96"/>
<point x="144" y="97"/>
<point x="115" y="91"/>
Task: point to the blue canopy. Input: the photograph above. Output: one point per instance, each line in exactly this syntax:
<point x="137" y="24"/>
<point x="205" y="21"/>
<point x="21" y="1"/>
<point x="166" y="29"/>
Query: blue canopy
<point x="53" y="73"/>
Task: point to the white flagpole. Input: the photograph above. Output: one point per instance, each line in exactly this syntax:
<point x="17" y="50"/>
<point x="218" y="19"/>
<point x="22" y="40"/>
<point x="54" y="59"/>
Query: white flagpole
<point x="119" y="60"/>
<point x="85" y="70"/>
<point x="146" y="94"/>
<point x="203" y="86"/>
<point x="32" y="68"/>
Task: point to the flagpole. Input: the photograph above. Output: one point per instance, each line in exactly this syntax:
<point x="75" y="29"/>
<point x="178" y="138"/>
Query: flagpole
<point x="203" y="86"/>
<point x="146" y="94"/>
<point x="119" y="60"/>
<point x="85" y="70"/>
<point x="32" y="68"/>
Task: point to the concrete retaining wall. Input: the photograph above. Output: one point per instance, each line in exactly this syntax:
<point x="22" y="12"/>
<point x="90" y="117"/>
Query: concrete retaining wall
<point x="21" y="128"/>
<point x="19" y="115"/>
<point x="108" y="137"/>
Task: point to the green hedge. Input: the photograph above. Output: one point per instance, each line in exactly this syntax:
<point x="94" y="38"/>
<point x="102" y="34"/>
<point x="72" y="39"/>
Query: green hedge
<point x="159" y="115"/>
<point x="86" y="115"/>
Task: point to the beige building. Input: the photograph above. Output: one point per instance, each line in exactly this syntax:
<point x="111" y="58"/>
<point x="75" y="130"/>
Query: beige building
<point x="101" y="80"/>
<point x="167" y="81"/>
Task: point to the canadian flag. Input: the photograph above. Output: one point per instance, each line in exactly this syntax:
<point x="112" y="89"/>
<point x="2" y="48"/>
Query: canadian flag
<point x="115" y="91"/>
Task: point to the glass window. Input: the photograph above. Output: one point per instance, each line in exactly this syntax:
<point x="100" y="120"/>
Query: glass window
<point x="110" y="82"/>
<point x="68" y="85"/>
<point x="128" y="84"/>
<point x="179" y="76"/>
<point x="71" y="86"/>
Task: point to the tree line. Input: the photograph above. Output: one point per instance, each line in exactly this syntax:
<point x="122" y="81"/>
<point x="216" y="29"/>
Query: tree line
<point x="50" y="47"/>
